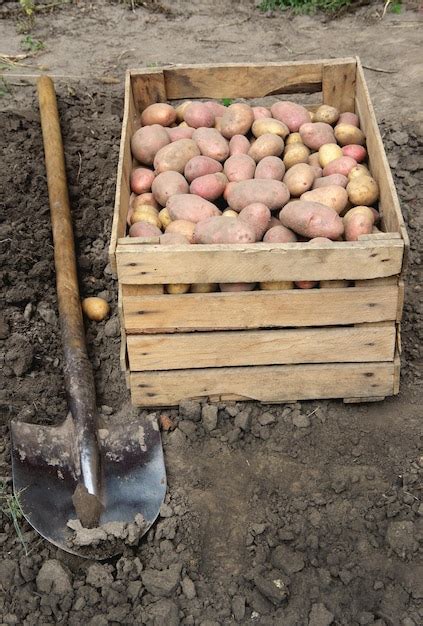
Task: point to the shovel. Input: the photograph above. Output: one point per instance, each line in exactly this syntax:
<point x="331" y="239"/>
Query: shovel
<point x="77" y="470"/>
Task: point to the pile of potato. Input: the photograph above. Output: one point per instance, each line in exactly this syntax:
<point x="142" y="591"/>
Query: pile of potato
<point x="211" y="174"/>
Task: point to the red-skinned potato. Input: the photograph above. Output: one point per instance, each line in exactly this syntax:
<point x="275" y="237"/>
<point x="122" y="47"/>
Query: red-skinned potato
<point x="173" y="239"/>
<point x="223" y="230"/>
<point x="279" y="234"/>
<point x="210" y="186"/>
<point x="147" y="141"/>
<point x="239" y="167"/>
<point x="333" y="196"/>
<point x="316" y="134"/>
<point x="236" y="120"/>
<point x="186" y="206"/>
<point x="271" y="167"/>
<point x="327" y="114"/>
<point x="266" y="145"/>
<point x="261" y="112"/>
<point x="182" y="227"/>
<point x="291" y="114"/>
<point x="347" y="134"/>
<point x="317" y="171"/>
<point x="180" y="132"/>
<point x="257" y="216"/>
<point x="332" y="179"/>
<point x="339" y="166"/>
<point x="358" y="221"/>
<point x="218" y="123"/>
<point x="141" y="180"/>
<point x="273" y="193"/>
<point x="358" y="153"/>
<point x="167" y="184"/>
<point x="349" y="118"/>
<point x="198" y="115"/>
<point x="239" y="144"/>
<point x="158" y="113"/>
<point x="144" y="229"/>
<point x="311" y="219"/>
<point x="211" y="143"/>
<point x="306" y="284"/>
<point x="175" y="156"/>
<point x="237" y="286"/>
<point x="200" y="166"/>
<point x="299" y="178"/>
<point x="215" y="107"/>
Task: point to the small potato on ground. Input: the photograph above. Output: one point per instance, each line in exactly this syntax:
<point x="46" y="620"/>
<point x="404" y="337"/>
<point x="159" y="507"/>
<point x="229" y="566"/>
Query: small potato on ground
<point x="96" y="309"/>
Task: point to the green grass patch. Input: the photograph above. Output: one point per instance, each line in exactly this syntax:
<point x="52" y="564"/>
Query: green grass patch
<point x="305" y="6"/>
<point x="10" y="507"/>
<point x="29" y="44"/>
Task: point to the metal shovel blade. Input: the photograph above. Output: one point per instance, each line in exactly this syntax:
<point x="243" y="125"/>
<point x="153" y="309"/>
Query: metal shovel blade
<point x="45" y="475"/>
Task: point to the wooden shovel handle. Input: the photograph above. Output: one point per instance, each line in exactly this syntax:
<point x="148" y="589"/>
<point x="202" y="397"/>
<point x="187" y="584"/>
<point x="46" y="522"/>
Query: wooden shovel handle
<point x="79" y="379"/>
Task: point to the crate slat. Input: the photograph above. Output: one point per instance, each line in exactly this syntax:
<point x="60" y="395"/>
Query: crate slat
<point x="338" y="85"/>
<point x="374" y="342"/>
<point x="272" y="383"/>
<point x="260" y="309"/>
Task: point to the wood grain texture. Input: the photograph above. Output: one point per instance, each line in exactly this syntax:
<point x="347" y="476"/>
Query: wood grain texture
<point x="260" y="309"/>
<point x="370" y="342"/>
<point x="389" y="204"/>
<point x="148" y="87"/>
<point x="338" y="85"/>
<point x="258" y="262"/>
<point x="273" y="383"/>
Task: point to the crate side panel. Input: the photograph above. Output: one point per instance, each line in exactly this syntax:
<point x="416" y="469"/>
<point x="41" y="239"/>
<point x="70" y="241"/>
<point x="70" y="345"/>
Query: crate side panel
<point x="277" y="383"/>
<point x="338" y="85"/>
<point x="148" y="87"/>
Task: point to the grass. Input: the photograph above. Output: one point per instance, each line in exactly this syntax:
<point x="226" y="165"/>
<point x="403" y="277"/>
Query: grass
<point x="305" y="6"/>
<point x="29" y="44"/>
<point x="10" y="506"/>
<point x="4" y="87"/>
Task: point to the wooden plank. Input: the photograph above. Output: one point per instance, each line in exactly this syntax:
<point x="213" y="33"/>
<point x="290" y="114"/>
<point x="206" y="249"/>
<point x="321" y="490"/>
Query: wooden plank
<point x="379" y="236"/>
<point x="370" y="342"/>
<point x="258" y="262"/>
<point x="389" y="204"/>
<point x="260" y="309"/>
<point x="361" y="400"/>
<point x="400" y="304"/>
<point x="123" y="172"/>
<point x="123" y="354"/>
<point x="338" y="85"/>
<point x="397" y="374"/>
<point x="148" y="86"/>
<point x="273" y="383"/>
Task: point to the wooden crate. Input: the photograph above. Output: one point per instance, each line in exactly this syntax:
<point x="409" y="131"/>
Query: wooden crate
<point x="271" y="346"/>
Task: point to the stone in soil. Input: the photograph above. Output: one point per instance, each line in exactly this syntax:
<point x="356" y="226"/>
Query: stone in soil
<point x="19" y="355"/>
<point x="162" y="583"/>
<point x="301" y="421"/>
<point x="243" y="420"/>
<point x="401" y="537"/>
<point x="238" y="608"/>
<point x="287" y="560"/>
<point x="99" y="575"/>
<point x="188" y="588"/>
<point x="53" y="578"/>
<point x="164" y="613"/>
<point x="274" y="588"/>
<point x="320" y="616"/>
<point x="190" y="410"/>
<point x="209" y="417"/>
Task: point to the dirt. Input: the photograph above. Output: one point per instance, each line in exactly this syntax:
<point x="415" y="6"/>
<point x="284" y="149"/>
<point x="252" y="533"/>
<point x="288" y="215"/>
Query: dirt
<point x="294" y="514"/>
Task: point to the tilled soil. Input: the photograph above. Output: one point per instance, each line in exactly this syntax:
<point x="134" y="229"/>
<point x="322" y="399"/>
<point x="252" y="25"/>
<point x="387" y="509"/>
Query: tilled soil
<point x="294" y="514"/>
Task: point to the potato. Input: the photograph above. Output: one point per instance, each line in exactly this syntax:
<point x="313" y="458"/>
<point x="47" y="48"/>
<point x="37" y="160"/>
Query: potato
<point x="239" y="144"/>
<point x="180" y="132"/>
<point x="228" y="190"/>
<point x="218" y="123"/>
<point x="229" y="213"/>
<point x="273" y="222"/>
<point x="333" y="179"/>
<point x="306" y="284"/>
<point x="293" y="138"/>
<point x="363" y="190"/>
<point x="147" y="141"/>
<point x="239" y="167"/>
<point x="349" y="118"/>
<point x="261" y="113"/>
<point x="158" y="113"/>
<point x="358" y="153"/>
<point x="167" y="184"/>
<point x="329" y="152"/>
<point x="358" y="221"/>
<point x="183" y="125"/>
<point x="146" y="213"/>
<point x="177" y="288"/>
<point x="311" y="219"/>
<point x="211" y="143"/>
<point x="266" y="126"/>
<point x="299" y="178"/>
<point x="317" y="171"/>
<point x="197" y="115"/>
<point x="273" y="193"/>
<point x="173" y="239"/>
<point x="200" y="166"/>
<point x="314" y="159"/>
<point x="266" y="145"/>
<point x="358" y="170"/>
<point x="186" y="206"/>
<point x="223" y="230"/>
<point x="180" y="110"/>
<point x="175" y="156"/>
<point x="291" y="114"/>
<point x="237" y="286"/>
<point x="144" y="229"/>
<point x="215" y="107"/>
<point x="204" y="287"/>
<point x="96" y="309"/>
<point x="145" y="198"/>
<point x="334" y="284"/>
<point x="327" y="114"/>
<point x="279" y="234"/>
<point x="348" y="134"/>
<point x="333" y="196"/>
<point x="210" y="186"/>
<point x="295" y="153"/>
<point x="256" y="216"/>
<point x="271" y="167"/>
<point x="339" y="166"/>
<point x="182" y="227"/>
<point x="237" y="120"/>
<point x="164" y="218"/>
<point x="316" y="134"/>
<point x="141" y="179"/>
<point x="277" y="285"/>
<point x="319" y="240"/>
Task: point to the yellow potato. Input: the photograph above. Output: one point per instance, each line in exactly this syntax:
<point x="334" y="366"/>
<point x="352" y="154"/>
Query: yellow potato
<point x="180" y="110"/>
<point x="329" y="152"/>
<point x="327" y="114"/>
<point x="267" y="125"/>
<point x="204" y="287"/>
<point x="229" y="213"/>
<point x="295" y="153"/>
<point x="95" y="308"/>
<point x="146" y="213"/>
<point x="177" y="288"/>
<point x="164" y="218"/>
<point x="363" y="190"/>
<point x="347" y="134"/>
<point x="299" y="178"/>
<point x="358" y="170"/>
<point x="277" y="285"/>
<point x="293" y="138"/>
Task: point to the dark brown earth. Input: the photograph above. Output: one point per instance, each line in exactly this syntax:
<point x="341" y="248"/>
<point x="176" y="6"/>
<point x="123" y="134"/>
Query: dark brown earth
<point x="288" y="515"/>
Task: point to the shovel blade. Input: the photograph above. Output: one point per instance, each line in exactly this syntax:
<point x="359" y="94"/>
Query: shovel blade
<point x="45" y="465"/>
